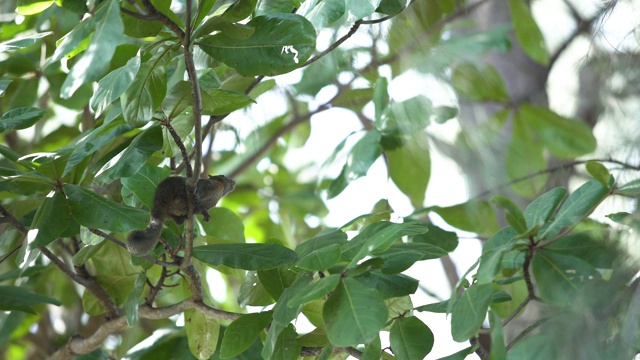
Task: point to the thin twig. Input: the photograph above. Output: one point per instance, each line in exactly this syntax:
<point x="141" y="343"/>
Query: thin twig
<point x="525" y="332"/>
<point x="517" y="311"/>
<point x="183" y="149"/>
<point x="333" y="46"/>
<point x="385" y="18"/>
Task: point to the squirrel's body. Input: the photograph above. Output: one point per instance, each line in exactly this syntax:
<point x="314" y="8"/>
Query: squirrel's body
<point x="170" y="202"/>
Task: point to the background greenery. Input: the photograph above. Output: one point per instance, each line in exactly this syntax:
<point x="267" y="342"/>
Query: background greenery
<point x="101" y="100"/>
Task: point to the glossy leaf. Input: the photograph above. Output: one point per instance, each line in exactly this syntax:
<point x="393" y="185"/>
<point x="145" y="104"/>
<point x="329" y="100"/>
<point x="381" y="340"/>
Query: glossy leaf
<point x="245" y="256"/>
<point x="599" y="172"/>
<point x="144" y="182"/>
<point x="527" y="32"/>
<point x="389" y="285"/>
<point x="541" y="209"/>
<point x="410" y="338"/>
<point x="146" y="93"/>
<point x="469" y="312"/>
<point x="114" y="84"/>
<point x="106" y="36"/>
<point x="466" y="77"/>
<point x="498" y="348"/>
<point x="105" y="214"/>
<point x="323" y="13"/>
<point x="354" y="314"/>
<point x="202" y="333"/>
<point x="131" y="305"/>
<point x="279" y="44"/>
<point x="565" y="138"/>
<point x="315" y="290"/>
<point x="51" y="219"/>
<point x="400" y="257"/>
<point x="21" y="118"/>
<point x="631" y="189"/>
<point x="411" y="158"/>
<point x="523" y="144"/>
<point x="243" y="332"/>
<point x="560" y="278"/>
<point x="319" y="253"/>
<point x="577" y="206"/>
<point x="512" y="213"/>
<point x="21" y="299"/>
<point x="445" y="240"/>
<point x="134" y="156"/>
<point x="475" y="216"/>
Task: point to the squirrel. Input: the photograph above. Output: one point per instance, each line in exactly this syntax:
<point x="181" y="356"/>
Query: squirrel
<point x="170" y="201"/>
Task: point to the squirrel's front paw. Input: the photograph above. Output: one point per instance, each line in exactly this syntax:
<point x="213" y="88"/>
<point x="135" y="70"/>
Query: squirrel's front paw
<point x="206" y="215"/>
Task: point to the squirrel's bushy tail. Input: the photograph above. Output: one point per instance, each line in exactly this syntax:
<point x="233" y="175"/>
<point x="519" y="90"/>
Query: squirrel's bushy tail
<point x="141" y="242"/>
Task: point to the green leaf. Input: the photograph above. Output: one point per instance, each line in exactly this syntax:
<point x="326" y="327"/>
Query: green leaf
<point x="469" y="312"/>
<point x="20" y="43"/>
<point x="51" y="219"/>
<point x="593" y="247"/>
<point x="102" y="46"/>
<point x="523" y="145"/>
<point x="143" y="28"/>
<point x="131" y="305"/>
<point x="462" y="354"/>
<point x="560" y="278"/>
<point x="577" y="207"/>
<point x="323" y="13"/>
<point x="321" y="259"/>
<point x="287" y="346"/>
<point x="105" y="214"/>
<point x="86" y="253"/>
<point x="389" y="285"/>
<point x="378" y="236"/>
<point x="21" y="299"/>
<point x="411" y="115"/>
<point x="354" y="314"/>
<point x="279" y="44"/>
<point x="221" y="102"/>
<point x="599" y="172"/>
<point x="400" y="257"/>
<point x="445" y="240"/>
<point x="498" y="348"/>
<point x="528" y="33"/>
<point x="631" y="189"/>
<point x="315" y="290"/>
<point x="380" y="97"/>
<point x="479" y="84"/>
<point x="412" y="158"/>
<point x="565" y="138"/>
<point x="95" y="140"/>
<point x="114" y="84"/>
<point x="134" y="156"/>
<point x="146" y="93"/>
<point x="410" y="338"/>
<point x="512" y="213"/>
<point x="475" y="215"/>
<point x="202" y="333"/>
<point x="144" y="182"/>
<point x="245" y="256"/>
<point x="225" y="226"/>
<point x="497" y="254"/>
<point x="541" y="209"/>
<point x="444" y="113"/>
<point x="319" y="253"/>
<point x="20" y="118"/>
<point x="276" y="280"/>
<point x="364" y="153"/>
<point x="243" y="332"/>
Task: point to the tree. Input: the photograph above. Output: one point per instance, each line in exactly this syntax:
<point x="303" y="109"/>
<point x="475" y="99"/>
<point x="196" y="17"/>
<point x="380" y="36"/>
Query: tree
<point x="102" y="100"/>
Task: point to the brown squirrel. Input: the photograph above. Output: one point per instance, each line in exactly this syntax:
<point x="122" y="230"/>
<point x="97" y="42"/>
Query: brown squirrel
<point x="170" y="201"/>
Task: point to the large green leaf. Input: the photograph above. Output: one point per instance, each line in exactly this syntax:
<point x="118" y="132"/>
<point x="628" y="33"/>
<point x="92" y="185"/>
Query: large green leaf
<point x="498" y="348"/>
<point x="287" y="346"/>
<point x="527" y="32"/>
<point x="479" y="83"/>
<point x="225" y="226"/>
<point x="354" y="314"/>
<point x="221" y="102"/>
<point x="445" y="240"/>
<point x="21" y="118"/>
<point x="131" y="304"/>
<point x="134" y="156"/>
<point x="378" y="236"/>
<point x="523" y="145"/>
<point x="566" y="138"/>
<point x="469" y="311"/>
<point x="323" y="13"/>
<point x="245" y="256"/>
<point x="315" y="290"/>
<point x="279" y="44"/>
<point x="20" y="299"/>
<point x="474" y="215"/>
<point x="541" y="209"/>
<point x="243" y="332"/>
<point x="400" y="257"/>
<point x="51" y="219"/>
<point x="389" y="285"/>
<point x="276" y="280"/>
<point x="114" y="84"/>
<point x="577" y="207"/>
<point x="105" y="214"/>
<point x="560" y="277"/>
<point x="410" y="338"/>
<point x="97" y="56"/>
<point x="146" y="93"/>
<point x="144" y="182"/>
<point x="364" y="153"/>
<point x="319" y="253"/>
<point x="202" y="333"/>
<point x="411" y="158"/>
<point x="512" y="213"/>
